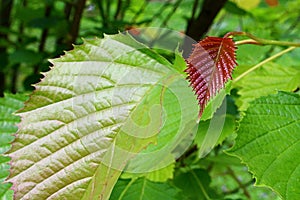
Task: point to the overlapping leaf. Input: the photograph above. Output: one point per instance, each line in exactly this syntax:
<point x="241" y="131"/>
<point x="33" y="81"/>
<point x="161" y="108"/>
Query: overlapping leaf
<point x="255" y="84"/>
<point x="8" y="105"/>
<point x="195" y="184"/>
<point x="269" y="142"/>
<point x="99" y="106"/>
<point x="209" y="67"/>
<point x="144" y="189"/>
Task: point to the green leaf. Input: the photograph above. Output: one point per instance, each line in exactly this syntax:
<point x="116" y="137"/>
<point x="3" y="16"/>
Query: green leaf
<point x="195" y="184"/>
<point x="234" y="9"/>
<point x="214" y="131"/>
<point x="216" y="102"/>
<point x="96" y="109"/>
<point x="269" y="141"/>
<point x="160" y="175"/>
<point x="144" y="189"/>
<point x="266" y="80"/>
<point x="8" y="105"/>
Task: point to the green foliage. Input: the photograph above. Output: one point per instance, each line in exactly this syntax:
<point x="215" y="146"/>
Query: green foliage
<point x="268" y="142"/>
<point x="113" y="97"/>
<point x="116" y="117"/>
<point x="8" y="105"/>
<point x="144" y="189"/>
<point x="195" y="184"/>
<point x="256" y="84"/>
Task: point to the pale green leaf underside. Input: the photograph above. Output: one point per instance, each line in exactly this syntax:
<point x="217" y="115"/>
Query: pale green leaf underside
<point x="8" y="105"/>
<point x="269" y="142"/>
<point x="99" y="106"/>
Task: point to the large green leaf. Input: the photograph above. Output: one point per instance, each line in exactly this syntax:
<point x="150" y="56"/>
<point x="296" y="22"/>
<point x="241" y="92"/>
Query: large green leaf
<point x="266" y="80"/>
<point x="8" y="105"/>
<point x="144" y="189"/>
<point x="269" y="142"/>
<point x="96" y="109"/>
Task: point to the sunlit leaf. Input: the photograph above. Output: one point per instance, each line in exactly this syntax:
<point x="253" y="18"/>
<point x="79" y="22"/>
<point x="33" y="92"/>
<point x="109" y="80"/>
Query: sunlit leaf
<point x="97" y="108"/>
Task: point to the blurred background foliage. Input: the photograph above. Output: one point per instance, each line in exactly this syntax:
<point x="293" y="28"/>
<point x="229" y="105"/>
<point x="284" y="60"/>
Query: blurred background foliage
<point x="32" y="31"/>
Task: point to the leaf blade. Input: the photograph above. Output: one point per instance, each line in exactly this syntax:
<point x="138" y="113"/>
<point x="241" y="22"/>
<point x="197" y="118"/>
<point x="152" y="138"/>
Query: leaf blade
<point x="269" y="135"/>
<point x="210" y="66"/>
<point x="72" y="139"/>
<point x="8" y="105"/>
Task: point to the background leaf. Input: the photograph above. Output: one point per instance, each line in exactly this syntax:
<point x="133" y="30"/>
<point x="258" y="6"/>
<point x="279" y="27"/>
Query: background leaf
<point x="209" y="67"/>
<point x="255" y="84"/>
<point x="268" y="142"/>
<point x="144" y="189"/>
<point x="98" y="107"/>
<point x="195" y="184"/>
<point x="8" y="105"/>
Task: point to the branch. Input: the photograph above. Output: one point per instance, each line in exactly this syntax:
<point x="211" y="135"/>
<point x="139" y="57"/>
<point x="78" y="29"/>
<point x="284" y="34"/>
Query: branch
<point x="198" y="27"/>
<point x="73" y="33"/>
<point x="241" y="185"/>
<point x="260" y="41"/>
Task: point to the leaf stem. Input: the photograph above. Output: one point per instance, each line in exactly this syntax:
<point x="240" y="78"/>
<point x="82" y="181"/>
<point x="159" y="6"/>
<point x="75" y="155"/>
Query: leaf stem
<point x="260" y="41"/>
<point x="263" y="62"/>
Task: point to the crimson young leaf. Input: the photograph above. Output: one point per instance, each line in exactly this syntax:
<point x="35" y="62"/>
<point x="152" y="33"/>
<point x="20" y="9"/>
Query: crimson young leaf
<point x="210" y="65"/>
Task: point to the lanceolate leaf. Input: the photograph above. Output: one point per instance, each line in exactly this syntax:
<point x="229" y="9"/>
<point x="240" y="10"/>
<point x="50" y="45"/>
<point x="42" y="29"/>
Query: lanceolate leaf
<point x="209" y="67"/>
<point x="99" y="106"/>
<point x="8" y="105"/>
<point x="269" y="142"/>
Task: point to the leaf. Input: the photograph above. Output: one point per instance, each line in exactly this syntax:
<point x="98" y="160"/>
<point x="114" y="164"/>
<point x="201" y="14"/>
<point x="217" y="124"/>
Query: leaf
<point x="213" y="132"/>
<point x="160" y="175"/>
<point x="8" y="105"/>
<point x="255" y="84"/>
<point x="269" y="141"/>
<point x="96" y="109"/>
<point x="195" y="184"/>
<point x="209" y="67"/>
<point x="247" y="4"/>
<point x="144" y="189"/>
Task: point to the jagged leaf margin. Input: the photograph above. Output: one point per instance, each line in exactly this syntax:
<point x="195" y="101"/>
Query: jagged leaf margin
<point x="269" y="142"/>
<point x="8" y="105"/>
<point x="65" y="147"/>
<point x="210" y="65"/>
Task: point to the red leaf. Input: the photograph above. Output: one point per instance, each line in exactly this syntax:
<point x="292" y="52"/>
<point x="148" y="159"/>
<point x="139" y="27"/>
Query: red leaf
<point x="210" y="65"/>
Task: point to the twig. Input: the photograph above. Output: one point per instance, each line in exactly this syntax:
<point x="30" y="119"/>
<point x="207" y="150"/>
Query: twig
<point x="263" y="62"/>
<point x="260" y="41"/>
<point x="241" y="185"/>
